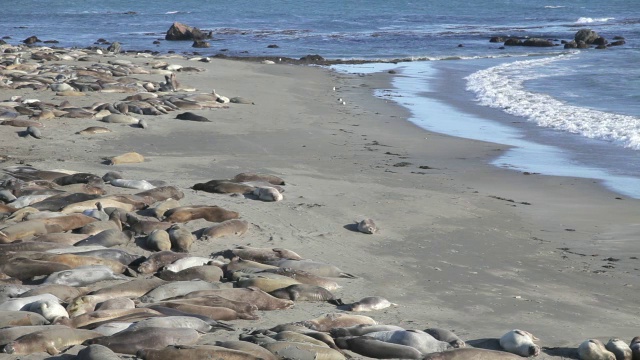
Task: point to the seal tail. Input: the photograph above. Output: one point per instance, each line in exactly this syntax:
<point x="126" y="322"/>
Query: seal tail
<point x="219" y="325"/>
<point x="336" y="302"/>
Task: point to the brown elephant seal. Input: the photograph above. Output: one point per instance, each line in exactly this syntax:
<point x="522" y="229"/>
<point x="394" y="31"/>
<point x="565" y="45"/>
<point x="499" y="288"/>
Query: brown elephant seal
<point x="303" y="292"/>
<point x="130" y="341"/>
<point x="247" y="347"/>
<point x="177" y="288"/>
<point x="304" y="277"/>
<point x="266" y="284"/>
<point x="145" y="227"/>
<point x="77" y="178"/>
<point x="254" y="296"/>
<point x="51" y="341"/>
<point x="186" y="322"/>
<point x="247" y="266"/>
<point x="261" y="255"/>
<point x="159" y="208"/>
<point x="20" y="318"/>
<point x="472" y="354"/>
<point x="329" y="321"/>
<point x="11" y="333"/>
<point x="446" y="336"/>
<point x="25" y="269"/>
<point x="96" y="352"/>
<point x="162" y="193"/>
<point x="82" y="276"/>
<point x="620" y="349"/>
<point x="213" y="312"/>
<point x="295" y="350"/>
<point x="520" y="342"/>
<point x="417" y="339"/>
<point x="158" y="240"/>
<point x="63" y="292"/>
<point x="234" y="227"/>
<point x="61" y="238"/>
<point x="635" y="347"/>
<point x="181" y="239"/>
<point x="210" y="273"/>
<point x="75" y="261"/>
<point x="367" y="226"/>
<point x="195" y="353"/>
<point x="210" y="213"/>
<point x="293" y="336"/>
<point x="267" y="194"/>
<point x="96" y="318"/>
<point x="92" y="130"/>
<point x="24" y="230"/>
<point x="370" y="303"/>
<point x="126" y="158"/>
<point x="223" y="187"/>
<point x="158" y="260"/>
<point x="116" y="303"/>
<point x="107" y="238"/>
<point x="377" y="349"/>
<point x="594" y="349"/>
<point x="272" y="179"/>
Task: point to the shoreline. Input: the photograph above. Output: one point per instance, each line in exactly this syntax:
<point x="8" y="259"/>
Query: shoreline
<point x="453" y="251"/>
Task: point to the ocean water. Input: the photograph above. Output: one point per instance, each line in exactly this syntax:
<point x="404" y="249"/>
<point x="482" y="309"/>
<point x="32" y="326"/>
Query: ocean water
<point x="568" y="112"/>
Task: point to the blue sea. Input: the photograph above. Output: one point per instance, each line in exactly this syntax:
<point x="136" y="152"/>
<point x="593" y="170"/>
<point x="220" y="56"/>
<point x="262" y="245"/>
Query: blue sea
<point x="566" y="112"/>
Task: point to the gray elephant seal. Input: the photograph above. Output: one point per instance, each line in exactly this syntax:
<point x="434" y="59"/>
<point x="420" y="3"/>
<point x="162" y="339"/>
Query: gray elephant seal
<point x="303" y="292"/>
<point x="417" y="339"/>
<point x="520" y="342"/>
<point x="210" y="273"/>
<point x="472" y="354"/>
<point x="235" y="227"/>
<point x="96" y="352"/>
<point x="195" y="352"/>
<point x="446" y="336"/>
<point x="82" y="276"/>
<point x="271" y="179"/>
<point x="370" y="303"/>
<point x="377" y="349"/>
<point x="594" y="349"/>
<point x="192" y="117"/>
<point x="130" y="341"/>
<point x="158" y="260"/>
<point x="51" y="341"/>
<point x="360" y="330"/>
<point x="367" y="226"/>
<point x="635" y="347"/>
<point x="620" y="349"/>
<point x="180" y="238"/>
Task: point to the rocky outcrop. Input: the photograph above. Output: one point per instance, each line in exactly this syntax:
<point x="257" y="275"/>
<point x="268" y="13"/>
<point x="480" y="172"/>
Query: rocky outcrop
<point x="200" y="44"/>
<point x="536" y="42"/>
<point x="586" y="35"/>
<point x="513" y="42"/>
<point x="31" y="40"/>
<point x="496" y="39"/>
<point x="179" y="31"/>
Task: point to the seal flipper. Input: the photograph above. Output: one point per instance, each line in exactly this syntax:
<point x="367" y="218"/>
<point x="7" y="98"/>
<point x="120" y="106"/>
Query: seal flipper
<point x="347" y="275"/>
<point x="336" y="302"/>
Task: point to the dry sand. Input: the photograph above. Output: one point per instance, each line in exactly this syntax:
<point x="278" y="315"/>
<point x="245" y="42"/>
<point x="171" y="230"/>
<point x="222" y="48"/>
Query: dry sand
<point x="462" y="245"/>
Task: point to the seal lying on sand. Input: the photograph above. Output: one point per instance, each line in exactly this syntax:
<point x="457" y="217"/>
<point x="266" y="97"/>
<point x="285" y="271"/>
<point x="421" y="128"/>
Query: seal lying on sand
<point x="520" y="342"/>
<point x="594" y="349"/>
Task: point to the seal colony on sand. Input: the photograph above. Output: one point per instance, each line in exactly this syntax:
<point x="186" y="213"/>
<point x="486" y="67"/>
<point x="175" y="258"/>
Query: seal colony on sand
<point x="82" y="246"/>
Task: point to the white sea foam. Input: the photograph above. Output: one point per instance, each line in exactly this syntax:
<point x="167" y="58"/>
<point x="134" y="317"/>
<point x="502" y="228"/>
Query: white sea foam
<point x="588" y="20"/>
<point x="554" y="7"/>
<point x="502" y="87"/>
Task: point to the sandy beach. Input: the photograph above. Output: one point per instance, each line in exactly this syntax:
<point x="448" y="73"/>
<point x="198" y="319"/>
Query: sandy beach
<point x="462" y="245"/>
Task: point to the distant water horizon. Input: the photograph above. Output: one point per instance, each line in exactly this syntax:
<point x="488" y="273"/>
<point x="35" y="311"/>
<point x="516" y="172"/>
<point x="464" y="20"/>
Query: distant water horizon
<point x="586" y="103"/>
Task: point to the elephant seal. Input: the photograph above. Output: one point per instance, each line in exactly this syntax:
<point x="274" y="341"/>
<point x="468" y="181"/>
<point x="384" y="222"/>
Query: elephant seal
<point x="303" y="292"/>
<point x="177" y="288"/>
<point x="210" y="273"/>
<point x="235" y="227"/>
<point x="127" y="158"/>
<point x="130" y="341"/>
<point x="51" y="341"/>
<point x="192" y="117"/>
<point x="417" y="339"/>
<point x="77" y="178"/>
<point x="261" y="255"/>
<point x="266" y="284"/>
<point x="594" y="349"/>
<point x="195" y="353"/>
<point x="17" y="304"/>
<point x="142" y="227"/>
<point x="187" y="262"/>
<point x="180" y="238"/>
<point x="272" y="179"/>
<point x="96" y="352"/>
<point x="120" y="119"/>
<point x="294" y="350"/>
<point x="267" y="194"/>
<point x="92" y="130"/>
<point x="359" y="330"/>
<point x="620" y="349"/>
<point x="302" y="276"/>
<point x="34" y="132"/>
<point x="635" y="347"/>
<point x="472" y="354"/>
<point x="187" y="322"/>
<point x="370" y="303"/>
<point x="162" y="193"/>
<point x="112" y="328"/>
<point x="313" y="267"/>
<point x="247" y="347"/>
<point x="107" y="238"/>
<point x="116" y="303"/>
<point x="377" y="349"/>
<point x="213" y="312"/>
<point x="520" y="342"/>
<point x="253" y="296"/>
<point x="25" y="269"/>
<point x="367" y="226"/>
<point x="293" y="336"/>
<point x="20" y="318"/>
<point x="244" y="310"/>
<point x="446" y="336"/>
<point x="49" y="309"/>
<point x="119" y="255"/>
<point x="158" y="209"/>
<point x="158" y="240"/>
<point x="82" y="276"/>
<point x="329" y="321"/>
<point x="184" y="214"/>
<point x="223" y="187"/>
<point x="132" y="184"/>
<point x="61" y="238"/>
<point x="11" y="333"/>
<point x="158" y="260"/>
<point x="74" y="261"/>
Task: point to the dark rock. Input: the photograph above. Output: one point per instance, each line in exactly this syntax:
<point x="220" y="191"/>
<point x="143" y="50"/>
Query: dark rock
<point x="2" y="42"/>
<point x="570" y="45"/>
<point x="101" y="40"/>
<point x="586" y="35"/>
<point x="513" y="42"/>
<point x="618" y="38"/>
<point x="273" y="46"/>
<point x="617" y="43"/>
<point x="538" y="42"/>
<point x="563" y="42"/>
<point x="115" y="48"/>
<point x="600" y="41"/>
<point x="600" y="47"/>
<point x="6" y="37"/>
<point x="312" y="58"/>
<point x="51" y="42"/>
<point x="179" y="31"/>
<point x="582" y="45"/>
<point x="200" y="44"/>
<point x="501" y="48"/>
<point x="156" y="42"/>
<point x="497" y="39"/>
<point x="392" y="72"/>
<point x="130" y="13"/>
<point x="460" y="45"/>
<point x="31" y="40"/>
